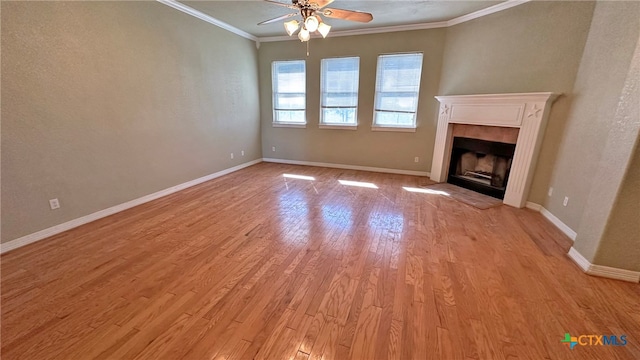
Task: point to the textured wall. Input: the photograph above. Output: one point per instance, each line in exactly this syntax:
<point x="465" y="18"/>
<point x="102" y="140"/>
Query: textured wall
<point x="601" y="77"/>
<point x="620" y="244"/>
<point x="532" y="47"/>
<point x="361" y="147"/>
<point x="104" y="102"/>
<point x="608" y="230"/>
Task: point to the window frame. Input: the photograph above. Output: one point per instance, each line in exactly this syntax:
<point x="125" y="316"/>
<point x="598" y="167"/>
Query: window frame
<point x="399" y="128"/>
<point x="274" y="93"/>
<point x="337" y="126"/>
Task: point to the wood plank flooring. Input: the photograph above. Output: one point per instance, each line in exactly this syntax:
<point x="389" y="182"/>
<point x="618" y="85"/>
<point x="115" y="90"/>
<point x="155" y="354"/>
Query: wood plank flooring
<point x="467" y="196"/>
<point x="255" y="265"/>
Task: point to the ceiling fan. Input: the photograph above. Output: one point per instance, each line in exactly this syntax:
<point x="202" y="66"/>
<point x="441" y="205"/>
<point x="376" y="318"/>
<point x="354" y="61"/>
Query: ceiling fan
<point x="311" y="10"/>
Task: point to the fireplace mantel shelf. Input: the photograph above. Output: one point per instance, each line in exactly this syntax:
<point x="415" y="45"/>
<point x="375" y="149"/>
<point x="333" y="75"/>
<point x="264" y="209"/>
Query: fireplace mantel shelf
<point x="526" y="111"/>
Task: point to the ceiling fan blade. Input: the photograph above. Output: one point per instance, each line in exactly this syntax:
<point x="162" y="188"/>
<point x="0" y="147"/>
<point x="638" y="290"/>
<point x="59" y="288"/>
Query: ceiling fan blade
<point x="348" y="15"/>
<point x="321" y="3"/>
<point x="277" y="19"/>
<point x="290" y="6"/>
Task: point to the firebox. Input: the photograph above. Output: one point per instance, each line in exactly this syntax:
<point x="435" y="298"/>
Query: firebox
<point x="481" y="165"/>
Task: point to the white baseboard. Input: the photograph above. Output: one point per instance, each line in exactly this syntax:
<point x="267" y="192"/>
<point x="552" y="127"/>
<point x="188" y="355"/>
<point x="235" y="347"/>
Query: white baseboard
<point x="350" y="167"/>
<point x="533" y="206"/>
<point x="580" y="260"/>
<point x="603" y="271"/>
<point x="554" y="220"/>
<point x="559" y="224"/>
<point x="43" y="234"/>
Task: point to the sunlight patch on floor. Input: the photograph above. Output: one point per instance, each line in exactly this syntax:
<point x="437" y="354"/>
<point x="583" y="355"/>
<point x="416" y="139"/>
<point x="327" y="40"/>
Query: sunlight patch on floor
<point x="301" y="177"/>
<point x="358" y="183"/>
<point x="425" y="191"/>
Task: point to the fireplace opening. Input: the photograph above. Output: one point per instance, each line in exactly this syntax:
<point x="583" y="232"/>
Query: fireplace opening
<point x="481" y="165"/>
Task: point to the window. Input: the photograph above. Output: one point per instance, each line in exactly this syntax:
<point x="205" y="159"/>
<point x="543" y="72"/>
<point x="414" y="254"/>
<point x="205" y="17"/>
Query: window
<point x="289" y="100"/>
<point x="339" y="92"/>
<point x="397" y="88"/>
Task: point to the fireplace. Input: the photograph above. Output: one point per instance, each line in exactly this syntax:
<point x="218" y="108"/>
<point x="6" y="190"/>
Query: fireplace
<point x="481" y="165"/>
<point x="526" y="114"/>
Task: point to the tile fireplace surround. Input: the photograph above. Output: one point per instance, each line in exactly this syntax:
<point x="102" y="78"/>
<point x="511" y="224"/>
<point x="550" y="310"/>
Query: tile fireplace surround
<point x="527" y="112"/>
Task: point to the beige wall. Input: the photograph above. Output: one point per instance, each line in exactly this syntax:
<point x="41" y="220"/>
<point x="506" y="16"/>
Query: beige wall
<point x="532" y="47"/>
<point x="601" y="77"/>
<point x="620" y="244"/>
<point x="361" y="147"/>
<point x="604" y="130"/>
<point x="104" y="102"/>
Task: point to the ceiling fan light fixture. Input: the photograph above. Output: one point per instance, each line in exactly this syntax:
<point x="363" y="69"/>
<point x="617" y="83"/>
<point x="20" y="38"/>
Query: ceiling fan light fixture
<point x="291" y="26"/>
<point x="324" y="29"/>
<point x="311" y="23"/>
<point x="304" y="35"/>
<point x="311" y="12"/>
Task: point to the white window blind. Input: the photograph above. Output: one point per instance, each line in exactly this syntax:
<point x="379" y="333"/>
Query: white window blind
<point x="289" y="87"/>
<point x="339" y="91"/>
<point x="397" y="89"/>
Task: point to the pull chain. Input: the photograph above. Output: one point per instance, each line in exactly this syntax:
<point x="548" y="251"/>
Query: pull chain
<point x="307" y="48"/>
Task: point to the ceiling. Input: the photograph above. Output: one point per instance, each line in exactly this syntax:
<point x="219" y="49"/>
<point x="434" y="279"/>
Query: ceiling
<point x="246" y="14"/>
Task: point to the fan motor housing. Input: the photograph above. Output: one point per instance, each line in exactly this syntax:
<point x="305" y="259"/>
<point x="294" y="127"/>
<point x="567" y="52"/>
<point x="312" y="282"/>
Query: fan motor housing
<point x="306" y="12"/>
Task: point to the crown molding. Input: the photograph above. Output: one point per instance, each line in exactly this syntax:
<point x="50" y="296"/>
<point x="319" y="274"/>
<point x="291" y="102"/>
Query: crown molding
<point x="210" y="19"/>
<point x="430" y="25"/>
<point x="377" y="30"/>
<point x="486" y="11"/>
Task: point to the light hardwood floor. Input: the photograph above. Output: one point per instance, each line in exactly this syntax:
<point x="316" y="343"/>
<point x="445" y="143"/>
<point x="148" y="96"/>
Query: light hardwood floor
<point x="255" y="265"/>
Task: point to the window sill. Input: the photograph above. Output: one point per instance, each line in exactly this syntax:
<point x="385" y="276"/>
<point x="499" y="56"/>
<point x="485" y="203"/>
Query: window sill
<point x="289" y="125"/>
<point x="338" y="127"/>
<point x="393" y="129"/>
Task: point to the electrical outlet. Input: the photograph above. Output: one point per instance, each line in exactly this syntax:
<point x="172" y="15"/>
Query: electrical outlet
<point x="273" y="148"/>
<point x="231" y="155"/>
<point x="416" y="159"/>
<point x="566" y="201"/>
<point x="242" y="153"/>
<point x="550" y="191"/>
<point x="54" y="204"/>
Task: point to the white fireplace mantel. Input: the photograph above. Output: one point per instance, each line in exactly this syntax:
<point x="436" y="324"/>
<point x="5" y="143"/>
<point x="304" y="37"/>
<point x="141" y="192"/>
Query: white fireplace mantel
<point x="527" y="111"/>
